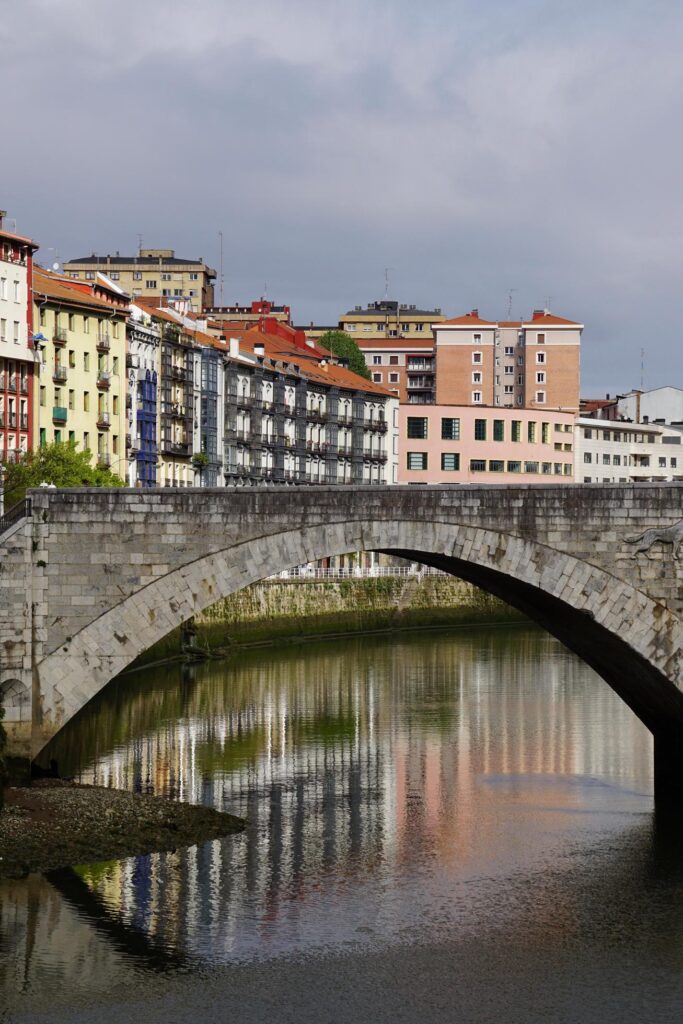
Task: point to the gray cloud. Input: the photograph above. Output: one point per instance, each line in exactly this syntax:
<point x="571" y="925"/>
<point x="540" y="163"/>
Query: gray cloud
<point x="472" y="147"/>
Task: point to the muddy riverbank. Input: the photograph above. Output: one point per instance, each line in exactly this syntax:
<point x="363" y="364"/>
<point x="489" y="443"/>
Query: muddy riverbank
<point x="54" y="824"/>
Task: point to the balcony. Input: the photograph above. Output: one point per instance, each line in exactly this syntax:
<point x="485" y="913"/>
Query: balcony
<point x="379" y="425"/>
<point x="9" y="420"/>
<point x="12" y="382"/>
<point x="178" y="372"/>
<point x="316" y="416"/>
<point x="345" y="421"/>
<point x="180" y="448"/>
<point x="320" y="447"/>
<point x="420" y="383"/>
<point x="420" y="365"/>
<point x="59" y="336"/>
<point x="103" y="344"/>
<point x="132" y="361"/>
<point x="103" y="421"/>
<point x="59" y="374"/>
<point x="103" y="380"/>
<point x="23" y="421"/>
<point x="59" y="414"/>
<point x="103" y="460"/>
<point x="23" y="385"/>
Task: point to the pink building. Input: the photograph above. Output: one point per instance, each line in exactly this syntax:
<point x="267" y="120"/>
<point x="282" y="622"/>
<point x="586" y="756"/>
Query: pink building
<point x="456" y="444"/>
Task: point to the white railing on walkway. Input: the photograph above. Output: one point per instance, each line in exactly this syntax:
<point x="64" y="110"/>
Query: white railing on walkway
<point x="305" y="573"/>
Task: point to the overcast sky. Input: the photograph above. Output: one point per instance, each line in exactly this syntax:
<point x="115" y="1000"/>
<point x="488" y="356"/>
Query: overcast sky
<point x="473" y="147"/>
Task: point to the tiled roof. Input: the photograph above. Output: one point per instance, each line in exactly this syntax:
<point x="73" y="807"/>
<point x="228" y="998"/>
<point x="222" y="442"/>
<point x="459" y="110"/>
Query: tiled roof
<point x="468" y="320"/>
<point x="65" y="290"/>
<point x="549" y="320"/>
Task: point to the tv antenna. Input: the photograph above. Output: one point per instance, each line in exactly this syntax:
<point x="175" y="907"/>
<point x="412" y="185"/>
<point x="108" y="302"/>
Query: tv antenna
<point x="642" y="369"/>
<point x="220" y="235"/>
<point x="510" y="293"/>
<point x="139" y="237"/>
<point x="386" y="281"/>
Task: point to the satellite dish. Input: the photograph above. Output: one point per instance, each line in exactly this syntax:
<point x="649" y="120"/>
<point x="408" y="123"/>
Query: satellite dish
<point x="55" y="266"/>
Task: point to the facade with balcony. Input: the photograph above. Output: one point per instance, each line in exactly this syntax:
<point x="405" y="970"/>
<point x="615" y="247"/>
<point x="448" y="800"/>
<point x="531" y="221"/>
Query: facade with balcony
<point x="623" y="452"/>
<point x="176" y="403"/>
<point x="17" y="356"/>
<point x="143" y="357"/>
<point x="81" y="387"/>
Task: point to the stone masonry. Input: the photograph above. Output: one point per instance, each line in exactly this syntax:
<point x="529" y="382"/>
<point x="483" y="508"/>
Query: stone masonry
<point x="92" y="578"/>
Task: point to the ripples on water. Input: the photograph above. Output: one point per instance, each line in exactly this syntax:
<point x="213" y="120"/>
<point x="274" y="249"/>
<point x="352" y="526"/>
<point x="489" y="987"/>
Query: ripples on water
<point x="429" y="796"/>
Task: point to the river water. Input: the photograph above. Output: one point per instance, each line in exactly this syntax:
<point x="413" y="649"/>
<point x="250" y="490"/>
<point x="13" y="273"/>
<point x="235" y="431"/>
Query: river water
<point x="445" y="826"/>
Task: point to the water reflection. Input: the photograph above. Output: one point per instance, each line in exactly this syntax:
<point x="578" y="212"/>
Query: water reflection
<point x="395" y="789"/>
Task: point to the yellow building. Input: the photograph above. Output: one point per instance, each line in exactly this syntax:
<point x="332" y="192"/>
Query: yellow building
<point x="389" y="319"/>
<point x="81" y="386"/>
<point x="153" y="273"/>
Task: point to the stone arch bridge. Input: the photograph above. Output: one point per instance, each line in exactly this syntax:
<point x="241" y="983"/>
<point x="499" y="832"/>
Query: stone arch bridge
<point x="89" y="579"/>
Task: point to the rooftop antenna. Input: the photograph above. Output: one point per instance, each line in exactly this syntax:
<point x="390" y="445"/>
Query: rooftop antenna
<point x="220" y="235"/>
<point x="642" y="369"/>
<point x="386" y="281"/>
<point x="510" y="292"/>
<point x="548" y="300"/>
<point x="139" y="244"/>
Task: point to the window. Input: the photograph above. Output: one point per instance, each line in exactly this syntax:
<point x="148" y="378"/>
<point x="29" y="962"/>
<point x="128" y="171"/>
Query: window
<point x="540" y="357"/>
<point x="540" y="397"/>
<point x="72" y="437"/>
<point x="545" y="433"/>
<point x="606" y="460"/>
<point x="477" y="339"/>
<point x="42" y="396"/>
<point x="377" y="377"/>
<point x="674" y="463"/>
<point x="393" y="378"/>
<point x="86" y="361"/>
<point x="72" y="321"/>
<point x="393" y="360"/>
<point x="587" y="458"/>
<point x="115" y="364"/>
<point x="531" y="467"/>
<point x="165" y="277"/>
<point x="496" y="466"/>
<point x="476" y="397"/>
<point x="516" y="430"/>
<point x="72" y="357"/>
<point x="498" y="430"/>
<point x="509" y="350"/>
<point x="89" y="275"/>
<point x="450" y="428"/>
<point x="58" y="437"/>
<point x="476" y="377"/>
<point x="540" y="339"/>
<point x="137" y="275"/>
<point x="480" y="430"/>
<point x="417" y="427"/>
<point x="587" y="433"/>
<point x="16" y="332"/>
<point x="150" y="284"/>
<point x="662" y="462"/>
<point x="540" y="377"/>
<point x="376" y="360"/>
<point x="43" y="437"/>
<point x="514" y="467"/>
<point x="509" y="371"/>
<point x="115" y="275"/>
<point x="419" y="327"/>
<point x="405" y="327"/>
<point x="393" y="333"/>
<point x="417" y="460"/>
<point x="616" y="460"/>
<point x="557" y="467"/>
<point x="450" y="461"/>
<point x="115" y="405"/>
<point x="546" y="468"/>
<point x="520" y="380"/>
<point x="477" y="466"/>
<point x="194" y="277"/>
<point x="476" y="357"/>
<point x="606" y="436"/>
<point x="86" y="401"/>
<point x="86" y="325"/>
<point x="531" y="432"/>
<point x="71" y="399"/>
<point x="508" y="389"/>
<point x="177" y="291"/>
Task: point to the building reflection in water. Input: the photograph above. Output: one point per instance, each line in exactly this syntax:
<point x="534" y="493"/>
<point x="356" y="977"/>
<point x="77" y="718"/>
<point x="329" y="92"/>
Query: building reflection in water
<point x="376" y="776"/>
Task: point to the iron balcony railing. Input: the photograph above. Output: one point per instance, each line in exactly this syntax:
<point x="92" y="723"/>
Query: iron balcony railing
<point x="103" y="421"/>
<point x="103" y="343"/>
<point x="104" y="379"/>
<point x="59" y="336"/>
<point x="59" y="373"/>
<point x="104" y="460"/>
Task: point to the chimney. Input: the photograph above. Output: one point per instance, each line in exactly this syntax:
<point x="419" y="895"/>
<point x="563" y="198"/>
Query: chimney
<point x="475" y="314"/>
<point x="235" y="347"/>
<point x="259" y="349"/>
<point x="3" y="214"/>
<point x="538" y="313"/>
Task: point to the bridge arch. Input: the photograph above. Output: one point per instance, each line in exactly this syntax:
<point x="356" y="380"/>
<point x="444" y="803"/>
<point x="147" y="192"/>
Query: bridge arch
<point x="599" y="616"/>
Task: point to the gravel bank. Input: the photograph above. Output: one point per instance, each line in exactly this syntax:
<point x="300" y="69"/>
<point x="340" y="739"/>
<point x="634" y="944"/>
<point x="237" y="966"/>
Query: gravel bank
<point x="54" y="824"/>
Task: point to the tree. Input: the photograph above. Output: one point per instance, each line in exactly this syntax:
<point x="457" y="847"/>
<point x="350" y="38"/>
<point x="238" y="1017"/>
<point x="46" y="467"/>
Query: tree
<point x="59" y="464"/>
<point x="342" y="344"/>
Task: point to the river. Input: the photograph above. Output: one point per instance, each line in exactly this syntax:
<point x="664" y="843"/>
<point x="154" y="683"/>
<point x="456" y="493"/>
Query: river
<point x="445" y="826"/>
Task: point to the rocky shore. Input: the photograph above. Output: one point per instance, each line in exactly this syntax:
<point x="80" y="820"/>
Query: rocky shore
<point x="54" y="824"/>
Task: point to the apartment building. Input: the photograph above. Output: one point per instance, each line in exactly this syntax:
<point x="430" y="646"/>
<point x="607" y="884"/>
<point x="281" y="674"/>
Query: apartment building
<point x="624" y="452"/>
<point x="292" y="414"/>
<point x="143" y="362"/>
<point x="247" y="316"/>
<point x="81" y="385"/>
<point x="152" y="274"/>
<point x="462" y="444"/>
<point x="658" y="405"/>
<point x="511" y="364"/>
<point x="17" y="355"/>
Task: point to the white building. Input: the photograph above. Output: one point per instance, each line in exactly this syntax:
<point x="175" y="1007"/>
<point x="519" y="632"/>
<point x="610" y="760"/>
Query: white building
<point x="611" y="452"/>
<point x="659" y="405"/>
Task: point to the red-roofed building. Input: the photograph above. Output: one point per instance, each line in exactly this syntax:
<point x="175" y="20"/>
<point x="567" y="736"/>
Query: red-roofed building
<point x="512" y="364"/>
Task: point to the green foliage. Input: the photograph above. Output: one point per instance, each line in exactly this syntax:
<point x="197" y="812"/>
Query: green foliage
<point x="342" y="344"/>
<point x="59" y="464"/>
<point x="200" y="460"/>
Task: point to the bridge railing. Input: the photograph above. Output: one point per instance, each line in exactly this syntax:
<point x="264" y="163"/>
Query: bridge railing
<point x="305" y="573"/>
<point x="19" y="511"/>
